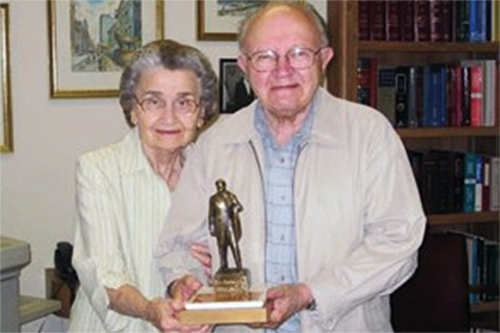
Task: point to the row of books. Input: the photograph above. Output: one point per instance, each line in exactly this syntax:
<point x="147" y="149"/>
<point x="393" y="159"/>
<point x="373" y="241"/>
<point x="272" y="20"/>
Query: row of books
<point x="456" y="182"/>
<point x="483" y="267"/>
<point x="436" y="95"/>
<point x="429" y="20"/>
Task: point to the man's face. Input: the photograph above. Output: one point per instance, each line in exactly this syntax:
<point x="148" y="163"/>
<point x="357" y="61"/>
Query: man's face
<point x="284" y="91"/>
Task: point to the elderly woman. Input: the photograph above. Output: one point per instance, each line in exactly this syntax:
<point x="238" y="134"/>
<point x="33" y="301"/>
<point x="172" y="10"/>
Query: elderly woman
<point x="167" y="93"/>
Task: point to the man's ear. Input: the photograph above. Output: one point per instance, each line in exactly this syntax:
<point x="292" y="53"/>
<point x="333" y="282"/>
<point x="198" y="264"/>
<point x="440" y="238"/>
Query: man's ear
<point x="243" y="63"/>
<point x="326" y="55"/>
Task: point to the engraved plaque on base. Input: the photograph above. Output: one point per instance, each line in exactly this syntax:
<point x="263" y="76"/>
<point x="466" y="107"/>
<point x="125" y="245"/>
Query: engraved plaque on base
<point x="232" y="284"/>
<point x="231" y="300"/>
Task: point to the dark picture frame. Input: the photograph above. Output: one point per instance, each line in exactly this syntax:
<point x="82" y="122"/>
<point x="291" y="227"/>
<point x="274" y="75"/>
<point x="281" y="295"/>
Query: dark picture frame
<point x="235" y="92"/>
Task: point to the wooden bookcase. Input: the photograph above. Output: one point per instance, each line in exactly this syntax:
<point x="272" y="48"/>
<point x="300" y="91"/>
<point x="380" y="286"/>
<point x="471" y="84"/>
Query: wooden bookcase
<point x="341" y="81"/>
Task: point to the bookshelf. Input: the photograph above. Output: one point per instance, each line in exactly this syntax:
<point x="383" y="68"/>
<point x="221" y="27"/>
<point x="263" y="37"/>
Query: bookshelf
<point x="342" y="74"/>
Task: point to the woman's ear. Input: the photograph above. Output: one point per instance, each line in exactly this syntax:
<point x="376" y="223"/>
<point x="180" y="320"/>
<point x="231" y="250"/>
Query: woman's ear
<point x="200" y="123"/>
<point x="133" y="118"/>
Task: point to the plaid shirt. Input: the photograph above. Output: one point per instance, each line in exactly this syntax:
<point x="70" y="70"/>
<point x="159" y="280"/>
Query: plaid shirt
<point x="279" y="169"/>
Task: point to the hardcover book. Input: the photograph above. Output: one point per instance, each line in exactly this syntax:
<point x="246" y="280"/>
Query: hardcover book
<point x="386" y="93"/>
<point x="378" y="19"/>
<point x="494" y="183"/>
<point x="393" y="19"/>
<point x="422" y="21"/>
<point x="364" y="28"/>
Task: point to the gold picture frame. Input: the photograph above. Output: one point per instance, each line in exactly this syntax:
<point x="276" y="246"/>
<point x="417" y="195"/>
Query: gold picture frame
<point x="218" y="21"/>
<point x="7" y="145"/>
<point x="91" y="41"/>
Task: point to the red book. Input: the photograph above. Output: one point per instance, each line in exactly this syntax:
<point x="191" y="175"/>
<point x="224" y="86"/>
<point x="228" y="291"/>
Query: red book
<point x="455" y="100"/>
<point x="407" y="20"/>
<point x="364" y="30"/>
<point x="476" y="95"/>
<point x="440" y="17"/>
<point x="392" y="26"/>
<point x="367" y="81"/>
<point x="422" y="21"/>
<point x="377" y="19"/>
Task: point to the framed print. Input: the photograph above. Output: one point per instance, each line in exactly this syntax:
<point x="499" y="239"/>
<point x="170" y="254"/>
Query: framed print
<point x="235" y="91"/>
<point x="218" y="20"/>
<point x="7" y="144"/>
<point x="91" y="41"/>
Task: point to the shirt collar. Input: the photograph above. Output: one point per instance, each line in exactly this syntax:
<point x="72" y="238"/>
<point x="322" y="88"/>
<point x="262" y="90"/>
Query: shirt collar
<point x="299" y="137"/>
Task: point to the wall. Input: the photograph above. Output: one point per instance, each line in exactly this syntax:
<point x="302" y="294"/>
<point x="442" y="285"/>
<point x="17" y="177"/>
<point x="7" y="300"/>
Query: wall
<point x="37" y="180"/>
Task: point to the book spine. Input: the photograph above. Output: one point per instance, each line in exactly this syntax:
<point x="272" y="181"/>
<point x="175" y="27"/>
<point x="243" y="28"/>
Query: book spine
<point x="456" y="116"/>
<point x="473" y="29"/>
<point x="458" y="182"/>
<point x="401" y="97"/>
<point x="438" y="21"/>
<point x="463" y="26"/>
<point x="481" y="21"/>
<point x="392" y="25"/>
<point x="489" y="90"/>
<point x="407" y="21"/>
<point x="476" y="95"/>
<point x="378" y="19"/>
<point x="434" y="113"/>
<point x="485" y="204"/>
<point x="466" y="116"/>
<point x="386" y="92"/>
<point x="495" y="24"/>
<point x="422" y="21"/>
<point x="494" y="183"/>
<point x="363" y="81"/>
<point x="364" y="29"/>
<point x="478" y="186"/>
<point x="469" y="182"/>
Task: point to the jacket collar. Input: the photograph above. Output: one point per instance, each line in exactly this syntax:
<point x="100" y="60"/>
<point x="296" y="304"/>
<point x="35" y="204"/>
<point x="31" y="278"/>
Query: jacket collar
<point x="326" y="129"/>
<point x="132" y="155"/>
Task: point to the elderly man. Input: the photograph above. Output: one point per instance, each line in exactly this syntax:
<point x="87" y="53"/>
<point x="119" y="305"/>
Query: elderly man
<point x="332" y="219"/>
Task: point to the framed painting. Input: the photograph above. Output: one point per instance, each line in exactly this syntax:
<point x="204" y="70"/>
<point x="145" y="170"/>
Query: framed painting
<point x="91" y="41"/>
<point x="235" y="91"/>
<point x="7" y="144"/>
<point x="218" y="20"/>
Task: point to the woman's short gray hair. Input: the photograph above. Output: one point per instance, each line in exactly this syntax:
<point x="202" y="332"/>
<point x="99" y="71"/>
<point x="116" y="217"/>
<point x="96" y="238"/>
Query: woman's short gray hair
<point x="171" y="55"/>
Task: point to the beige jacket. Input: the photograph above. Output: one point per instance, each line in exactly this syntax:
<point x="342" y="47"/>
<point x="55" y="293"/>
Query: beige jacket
<point x="359" y="221"/>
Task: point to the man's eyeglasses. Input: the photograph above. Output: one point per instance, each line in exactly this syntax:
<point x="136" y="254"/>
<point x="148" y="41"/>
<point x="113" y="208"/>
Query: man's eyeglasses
<point x="298" y="58"/>
<point x="182" y="106"/>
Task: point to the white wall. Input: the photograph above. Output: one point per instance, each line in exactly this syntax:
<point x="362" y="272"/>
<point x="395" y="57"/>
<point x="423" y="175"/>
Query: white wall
<point x="37" y="179"/>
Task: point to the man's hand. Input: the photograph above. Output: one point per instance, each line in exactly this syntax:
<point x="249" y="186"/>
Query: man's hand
<point x="182" y="289"/>
<point x="201" y="253"/>
<point x="283" y="302"/>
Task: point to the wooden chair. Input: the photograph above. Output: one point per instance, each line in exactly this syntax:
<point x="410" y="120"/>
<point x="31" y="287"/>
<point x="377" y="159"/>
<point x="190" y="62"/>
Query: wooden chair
<point x="436" y="297"/>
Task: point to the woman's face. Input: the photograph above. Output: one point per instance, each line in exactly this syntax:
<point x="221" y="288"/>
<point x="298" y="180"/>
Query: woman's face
<point x="167" y="109"/>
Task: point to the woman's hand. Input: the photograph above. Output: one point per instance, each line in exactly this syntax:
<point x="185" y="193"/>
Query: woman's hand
<point x="164" y="314"/>
<point x="184" y="288"/>
<point x="201" y="253"/>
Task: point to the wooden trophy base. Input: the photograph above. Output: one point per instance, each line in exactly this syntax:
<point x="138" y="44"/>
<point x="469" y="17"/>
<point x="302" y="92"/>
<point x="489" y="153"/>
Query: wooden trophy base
<point x="203" y="308"/>
<point x="228" y="302"/>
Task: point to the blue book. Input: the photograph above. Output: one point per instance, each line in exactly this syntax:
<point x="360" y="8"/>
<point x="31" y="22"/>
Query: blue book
<point x="481" y="20"/>
<point x="434" y="111"/>
<point x="478" y="200"/>
<point x="469" y="182"/>
<point x="473" y="29"/>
